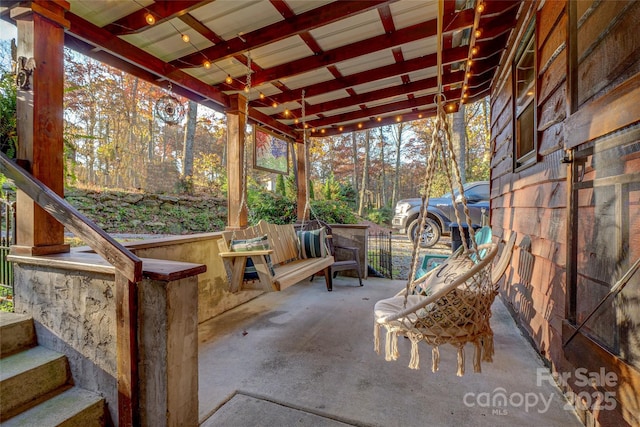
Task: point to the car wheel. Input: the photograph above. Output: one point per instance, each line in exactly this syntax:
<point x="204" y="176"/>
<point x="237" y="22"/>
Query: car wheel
<point x="429" y="236"/>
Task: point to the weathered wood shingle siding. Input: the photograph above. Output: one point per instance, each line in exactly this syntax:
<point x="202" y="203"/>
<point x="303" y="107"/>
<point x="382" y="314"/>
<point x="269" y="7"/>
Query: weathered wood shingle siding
<point x="534" y="201"/>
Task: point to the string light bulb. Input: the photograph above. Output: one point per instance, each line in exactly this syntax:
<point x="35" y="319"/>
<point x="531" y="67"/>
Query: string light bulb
<point x="185" y="38"/>
<point x="474" y="51"/>
<point x="149" y="18"/>
<point x="206" y="64"/>
<point x="286" y="113"/>
<point x="359" y="125"/>
<point x="480" y="8"/>
<point x="246" y="89"/>
<point x="478" y="33"/>
<point x="274" y="104"/>
<point x="228" y="80"/>
<point x="261" y="95"/>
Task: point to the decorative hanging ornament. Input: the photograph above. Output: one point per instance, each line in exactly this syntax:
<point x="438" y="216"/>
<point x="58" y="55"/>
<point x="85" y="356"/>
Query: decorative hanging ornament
<point x="170" y="109"/>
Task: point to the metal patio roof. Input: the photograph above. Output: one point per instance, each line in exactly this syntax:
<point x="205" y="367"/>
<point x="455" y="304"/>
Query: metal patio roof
<point x="361" y="64"/>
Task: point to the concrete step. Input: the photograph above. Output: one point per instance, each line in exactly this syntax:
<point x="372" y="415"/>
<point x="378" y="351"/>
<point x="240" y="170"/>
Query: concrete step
<point x="28" y="377"/>
<point x="16" y="333"/>
<point x="73" y="408"/>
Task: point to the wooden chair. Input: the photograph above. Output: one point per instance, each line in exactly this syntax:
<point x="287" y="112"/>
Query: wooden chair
<point x="353" y="261"/>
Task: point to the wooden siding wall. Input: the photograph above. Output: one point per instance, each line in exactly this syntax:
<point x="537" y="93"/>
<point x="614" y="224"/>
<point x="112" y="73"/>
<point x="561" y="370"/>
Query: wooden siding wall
<point x="534" y="201"/>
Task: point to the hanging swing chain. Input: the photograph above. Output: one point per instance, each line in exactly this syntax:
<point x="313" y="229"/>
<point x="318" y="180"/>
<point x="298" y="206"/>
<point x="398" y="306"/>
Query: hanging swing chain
<point x="456" y="171"/>
<point x="243" y="184"/>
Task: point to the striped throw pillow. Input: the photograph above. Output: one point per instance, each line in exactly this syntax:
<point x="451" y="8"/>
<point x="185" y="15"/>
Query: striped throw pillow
<point x="312" y="244"/>
<point x="255" y="244"/>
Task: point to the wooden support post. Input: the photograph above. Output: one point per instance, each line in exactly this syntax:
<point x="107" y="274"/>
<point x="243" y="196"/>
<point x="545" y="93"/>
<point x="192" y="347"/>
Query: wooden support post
<point x="302" y="181"/>
<point x="39" y="111"/>
<point x="127" y="351"/>
<point x="236" y="180"/>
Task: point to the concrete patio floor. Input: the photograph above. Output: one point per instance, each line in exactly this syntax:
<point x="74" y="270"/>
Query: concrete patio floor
<point x="304" y="357"/>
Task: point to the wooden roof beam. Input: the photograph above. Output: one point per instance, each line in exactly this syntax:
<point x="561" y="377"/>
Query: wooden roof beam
<point x="364" y="47"/>
<point x="382" y="109"/>
<point x="392" y="70"/>
<point x="160" y="10"/>
<point x="420" y="85"/>
<point x="372" y="124"/>
<point x="86" y="31"/>
<point x="280" y="30"/>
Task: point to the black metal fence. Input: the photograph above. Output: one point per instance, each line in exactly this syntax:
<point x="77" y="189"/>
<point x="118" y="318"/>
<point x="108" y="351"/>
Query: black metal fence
<point x="8" y="237"/>
<point x="379" y="254"/>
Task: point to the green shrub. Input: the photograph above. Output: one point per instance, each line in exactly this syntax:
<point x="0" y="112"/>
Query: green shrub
<point x="381" y="216"/>
<point x="272" y="208"/>
<point x="332" y="212"/>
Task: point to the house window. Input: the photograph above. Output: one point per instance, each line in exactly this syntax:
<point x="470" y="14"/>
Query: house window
<point x="524" y="108"/>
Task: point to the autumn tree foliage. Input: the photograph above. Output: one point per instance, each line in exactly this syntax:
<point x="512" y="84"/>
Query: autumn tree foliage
<point x="114" y="137"/>
<point x="397" y="159"/>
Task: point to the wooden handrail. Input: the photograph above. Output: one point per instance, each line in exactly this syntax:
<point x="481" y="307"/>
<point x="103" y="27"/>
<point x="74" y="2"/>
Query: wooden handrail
<point x="128" y="275"/>
<point x="116" y="254"/>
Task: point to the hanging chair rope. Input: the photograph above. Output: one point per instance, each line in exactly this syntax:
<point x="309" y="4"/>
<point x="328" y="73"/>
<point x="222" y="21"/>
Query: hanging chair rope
<point x="307" y="199"/>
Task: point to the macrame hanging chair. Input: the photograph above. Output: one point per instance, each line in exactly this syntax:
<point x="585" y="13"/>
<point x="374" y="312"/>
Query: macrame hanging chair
<point x="451" y="304"/>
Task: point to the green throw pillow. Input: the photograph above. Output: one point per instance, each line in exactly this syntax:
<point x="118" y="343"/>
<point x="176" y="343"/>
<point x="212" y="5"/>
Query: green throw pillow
<point x="312" y="244"/>
<point x="255" y="244"/>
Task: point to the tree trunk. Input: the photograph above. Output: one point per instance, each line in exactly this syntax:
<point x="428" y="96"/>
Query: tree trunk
<point x="383" y="178"/>
<point x="354" y="147"/>
<point x="459" y="138"/>
<point x="365" y="173"/>
<point x="189" y="136"/>
<point x="396" y="178"/>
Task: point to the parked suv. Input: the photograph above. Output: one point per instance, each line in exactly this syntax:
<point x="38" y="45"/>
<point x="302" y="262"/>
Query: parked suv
<point x="440" y="213"/>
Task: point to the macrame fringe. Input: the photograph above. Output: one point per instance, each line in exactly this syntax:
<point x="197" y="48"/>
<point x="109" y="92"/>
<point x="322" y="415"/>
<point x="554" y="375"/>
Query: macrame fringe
<point x="414" y="362"/>
<point x="487" y="348"/>
<point x="376" y="337"/>
<point x="435" y="359"/>
<point x="391" y="345"/>
<point x="460" y="361"/>
<point x="477" y="355"/>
